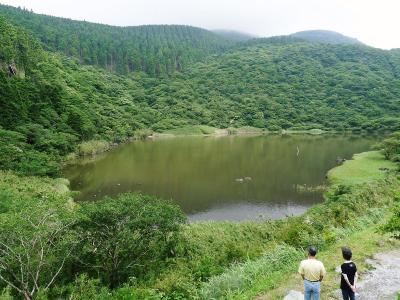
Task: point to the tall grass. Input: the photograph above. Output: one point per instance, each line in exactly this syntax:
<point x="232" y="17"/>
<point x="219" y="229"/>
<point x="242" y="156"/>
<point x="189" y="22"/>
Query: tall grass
<point x="93" y="147"/>
<point x="242" y="276"/>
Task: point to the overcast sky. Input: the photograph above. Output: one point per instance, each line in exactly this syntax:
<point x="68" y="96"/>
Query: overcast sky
<point x="374" y="22"/>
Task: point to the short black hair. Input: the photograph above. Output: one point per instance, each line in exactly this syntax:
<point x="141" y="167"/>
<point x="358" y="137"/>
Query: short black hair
<point x="346" y="252"/>
<point x="312" y="251"/>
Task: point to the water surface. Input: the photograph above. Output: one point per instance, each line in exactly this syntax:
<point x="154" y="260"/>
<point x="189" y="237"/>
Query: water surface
<point x="220" y="178"/>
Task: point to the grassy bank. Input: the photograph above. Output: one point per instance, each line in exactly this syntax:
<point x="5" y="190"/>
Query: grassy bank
<point x="192" y="130"/>
<point x="363" y="168"/>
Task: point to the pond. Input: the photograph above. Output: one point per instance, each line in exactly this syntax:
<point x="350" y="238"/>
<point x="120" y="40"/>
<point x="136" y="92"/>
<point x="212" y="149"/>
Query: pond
<point x="220" y="178"/>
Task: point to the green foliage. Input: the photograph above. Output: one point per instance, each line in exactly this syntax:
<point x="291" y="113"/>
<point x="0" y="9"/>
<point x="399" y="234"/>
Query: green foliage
<point x="113" y="241"/>
<point x="393" y="225"/>
<point x="391" y="147"/>
<point x="35" y="241"/>
<point x="23" y="158"/>
<point x="131" y="236"/>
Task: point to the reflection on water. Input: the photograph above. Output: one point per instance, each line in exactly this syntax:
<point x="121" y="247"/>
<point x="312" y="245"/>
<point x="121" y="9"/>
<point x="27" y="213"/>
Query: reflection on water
<point x="220" y="178"/>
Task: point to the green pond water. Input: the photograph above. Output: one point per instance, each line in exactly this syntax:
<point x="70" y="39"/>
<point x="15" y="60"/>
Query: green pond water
<point x="220" y="178"/>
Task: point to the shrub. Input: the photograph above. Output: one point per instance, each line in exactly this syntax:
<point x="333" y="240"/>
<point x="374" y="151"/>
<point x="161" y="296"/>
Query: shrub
<point x="393" y="225"/>
<point x="128" y="237"/>
<point x="35" y="240"/>
<point x="391" y="147"/>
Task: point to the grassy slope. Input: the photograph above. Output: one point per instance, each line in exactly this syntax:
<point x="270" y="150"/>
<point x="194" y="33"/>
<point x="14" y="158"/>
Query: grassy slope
<point x="364" y="168"/>
<point x="192" y="130"/>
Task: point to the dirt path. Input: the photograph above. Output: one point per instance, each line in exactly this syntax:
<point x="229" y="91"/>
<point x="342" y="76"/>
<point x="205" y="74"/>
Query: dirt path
<point x="383" y="281"/>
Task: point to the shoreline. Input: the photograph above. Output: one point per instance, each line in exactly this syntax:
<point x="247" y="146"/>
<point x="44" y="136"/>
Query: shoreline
<point x="106" y="146"/>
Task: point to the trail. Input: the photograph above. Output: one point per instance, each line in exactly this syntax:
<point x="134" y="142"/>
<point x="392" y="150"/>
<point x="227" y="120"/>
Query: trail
<point x="383" y="281"/>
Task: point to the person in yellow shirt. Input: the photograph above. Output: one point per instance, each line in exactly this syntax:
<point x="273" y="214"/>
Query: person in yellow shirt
<point x="312" y="271"/>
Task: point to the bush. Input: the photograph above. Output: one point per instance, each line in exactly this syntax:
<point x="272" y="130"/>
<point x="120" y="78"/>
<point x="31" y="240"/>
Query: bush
<point x="19" y="156"/>
<point x="35" y="219"/>
<point x="391" y="147"/>
<point x="131" y="236"/>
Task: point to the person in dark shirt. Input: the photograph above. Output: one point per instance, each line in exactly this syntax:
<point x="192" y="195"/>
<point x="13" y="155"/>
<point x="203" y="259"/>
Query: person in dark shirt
<point x="349" y="275"/>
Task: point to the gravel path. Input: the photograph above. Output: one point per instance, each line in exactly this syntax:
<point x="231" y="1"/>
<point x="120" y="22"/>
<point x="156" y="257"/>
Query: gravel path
<point x="383" y="281"/>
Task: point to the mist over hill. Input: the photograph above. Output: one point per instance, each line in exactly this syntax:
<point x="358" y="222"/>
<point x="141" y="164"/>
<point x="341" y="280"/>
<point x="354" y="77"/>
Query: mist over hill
<point x="234" y="35"/>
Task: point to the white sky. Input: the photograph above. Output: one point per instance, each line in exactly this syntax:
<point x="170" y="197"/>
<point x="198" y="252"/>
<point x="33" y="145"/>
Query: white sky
<point x="374" y="22"/>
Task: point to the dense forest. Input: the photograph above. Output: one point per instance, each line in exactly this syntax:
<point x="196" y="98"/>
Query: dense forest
<point x="155" y="50"/>
<point x="66" y="82"/>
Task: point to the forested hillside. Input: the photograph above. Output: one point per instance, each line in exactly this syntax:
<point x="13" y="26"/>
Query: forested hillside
<point x="153" y="49"/>
<point x="50" y="103"/>
<point x="284" y="83"/>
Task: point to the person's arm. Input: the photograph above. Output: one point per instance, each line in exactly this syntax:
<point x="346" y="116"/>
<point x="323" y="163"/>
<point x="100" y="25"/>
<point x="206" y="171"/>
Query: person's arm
<point x="301" y="270"/>
<point x="322" y="273"/>
<point x="347" y="280"/>
<point x="355" y="281"/>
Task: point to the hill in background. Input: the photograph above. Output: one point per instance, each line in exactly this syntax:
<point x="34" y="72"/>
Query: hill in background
<point x="325" y="36"/>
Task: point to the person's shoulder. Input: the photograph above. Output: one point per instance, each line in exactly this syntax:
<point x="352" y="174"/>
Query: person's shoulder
<point x="320" y="262"/>
<point x="353" y="265"/>
<point x="303" y="261"/>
